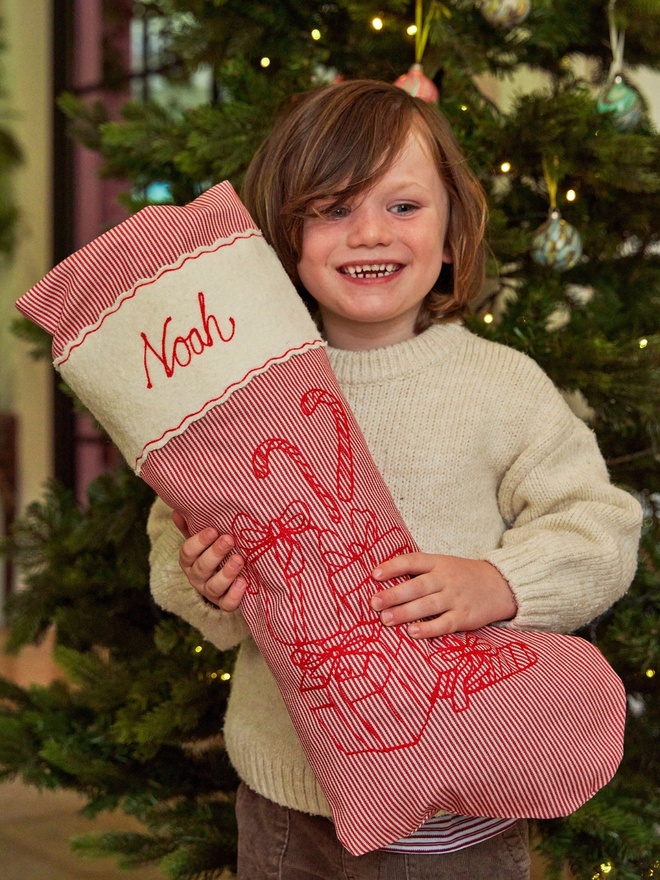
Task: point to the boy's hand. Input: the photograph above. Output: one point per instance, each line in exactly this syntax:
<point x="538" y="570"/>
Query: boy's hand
<point x="199" y="558"/>
<point x="461" y="594"/>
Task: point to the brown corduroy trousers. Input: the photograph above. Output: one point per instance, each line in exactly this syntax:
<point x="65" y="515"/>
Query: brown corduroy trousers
<point x="276" y="843"/>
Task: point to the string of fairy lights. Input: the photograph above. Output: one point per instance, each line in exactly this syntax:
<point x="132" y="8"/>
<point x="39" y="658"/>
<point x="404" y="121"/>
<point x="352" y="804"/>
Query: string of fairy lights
<point x="221" y="674"/>
<point x="226" y="676"/>
<point x="376" y="23"/>
<point x="607" y="867"/>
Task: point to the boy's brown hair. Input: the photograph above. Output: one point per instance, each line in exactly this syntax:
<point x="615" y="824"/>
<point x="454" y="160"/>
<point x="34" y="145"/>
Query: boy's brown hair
<point x="336" y="142"/>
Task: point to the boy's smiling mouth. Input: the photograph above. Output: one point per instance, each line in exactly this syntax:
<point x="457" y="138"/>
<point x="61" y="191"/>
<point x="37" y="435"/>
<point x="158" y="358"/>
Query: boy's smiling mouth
<point x="370" y="270"/>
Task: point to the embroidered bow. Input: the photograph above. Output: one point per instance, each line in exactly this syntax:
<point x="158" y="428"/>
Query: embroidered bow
<point x="369" y="550"/>
<point x="469" y="664"/>
<point x="323" y="660"/>
<point x="255" y="539"/>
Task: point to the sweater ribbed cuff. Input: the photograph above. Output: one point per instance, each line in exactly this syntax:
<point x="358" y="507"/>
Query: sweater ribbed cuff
<point x="172" y="592"/>
<point x="528" y="580"/>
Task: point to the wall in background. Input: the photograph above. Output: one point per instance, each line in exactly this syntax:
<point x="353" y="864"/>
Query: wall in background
<point x="25" y="385"/>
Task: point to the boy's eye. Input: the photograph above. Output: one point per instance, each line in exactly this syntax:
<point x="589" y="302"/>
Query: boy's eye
<point x="403" y="208"/>
<point x="338" y="213"/>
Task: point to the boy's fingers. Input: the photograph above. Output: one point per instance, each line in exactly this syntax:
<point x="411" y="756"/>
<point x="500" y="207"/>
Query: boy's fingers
<point x="399" y="594"/>
<point x="439" y="626"/>
<point x="409" y="563"/>
<point x="217" y="584"/>
<point x="232" y="598"/>
<point x="205" y="548"/>
<point x="206" y="565"/>
<point x="428" y="606"/>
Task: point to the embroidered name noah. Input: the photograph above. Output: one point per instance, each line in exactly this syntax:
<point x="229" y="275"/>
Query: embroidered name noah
<point x="180" y="352"/>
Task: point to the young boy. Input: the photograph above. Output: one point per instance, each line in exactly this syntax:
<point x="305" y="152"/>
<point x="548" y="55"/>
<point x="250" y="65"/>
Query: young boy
<point x="365" y="197"/>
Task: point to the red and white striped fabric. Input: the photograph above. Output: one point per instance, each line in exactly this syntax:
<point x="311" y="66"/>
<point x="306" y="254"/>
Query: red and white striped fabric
<point x="449" y="833"/>
<point x="181" y="332"/>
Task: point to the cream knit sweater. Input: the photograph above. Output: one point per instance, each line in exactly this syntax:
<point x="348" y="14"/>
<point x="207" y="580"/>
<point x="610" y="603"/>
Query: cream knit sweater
<point x="485" y="461"/>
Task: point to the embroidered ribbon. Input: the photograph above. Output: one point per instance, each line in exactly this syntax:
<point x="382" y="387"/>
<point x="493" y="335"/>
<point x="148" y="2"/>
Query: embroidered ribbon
<point x="369" y="550"/>
<point x="254" y="539"/>
<point x="322" y="661"/>
<point x="363" y="697"/>
<point x="468" y="664"/>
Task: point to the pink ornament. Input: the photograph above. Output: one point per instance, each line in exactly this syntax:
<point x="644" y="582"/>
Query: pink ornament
<point x="417" y="84"/>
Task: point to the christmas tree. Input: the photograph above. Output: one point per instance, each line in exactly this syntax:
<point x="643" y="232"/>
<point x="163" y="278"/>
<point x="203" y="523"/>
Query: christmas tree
<point x="573" y="175"/>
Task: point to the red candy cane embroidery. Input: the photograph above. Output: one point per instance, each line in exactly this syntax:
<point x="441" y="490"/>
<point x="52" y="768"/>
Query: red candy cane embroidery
<point x="261" y="469"/>
<point x="345" y="477"/>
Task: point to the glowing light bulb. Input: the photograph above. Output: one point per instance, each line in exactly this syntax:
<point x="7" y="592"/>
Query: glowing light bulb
<point x="265" y="61"/>
<point x="198" y="649"/>
<point x="505" y="167"/>
<point x="411" y="30"/>
<point x="225" y="676"/>
<point x="650" y="673"/>
<point x="214" y="675"/>
<point x="463" y="107"/>
<point x="643" y="343"/>
<point x="488" y="318"/>
<point x="316" y="34"/>
<point x="377" y="24"/>
<point x="571" y="195"/>
<point x="606" y="867"/>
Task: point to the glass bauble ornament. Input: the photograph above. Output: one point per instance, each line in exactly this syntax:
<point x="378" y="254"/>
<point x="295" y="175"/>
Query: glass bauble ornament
<point x="505" y="13"/>
<point x="557" y="244"/>
<point x="623" y="101"/>
<point x="417" y="84"/>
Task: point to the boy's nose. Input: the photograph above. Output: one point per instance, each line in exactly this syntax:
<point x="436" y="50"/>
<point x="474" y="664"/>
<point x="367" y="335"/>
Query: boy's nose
<point x="369" y="228"/>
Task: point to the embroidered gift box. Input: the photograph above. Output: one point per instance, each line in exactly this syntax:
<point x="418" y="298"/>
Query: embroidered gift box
<point x="182" y="334"/>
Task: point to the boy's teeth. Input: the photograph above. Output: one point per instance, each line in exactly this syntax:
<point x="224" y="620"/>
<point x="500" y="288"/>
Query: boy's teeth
<point x="371" y="270"/>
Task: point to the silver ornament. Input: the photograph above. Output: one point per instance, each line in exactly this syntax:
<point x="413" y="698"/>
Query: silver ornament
<point x="556" y="243"/>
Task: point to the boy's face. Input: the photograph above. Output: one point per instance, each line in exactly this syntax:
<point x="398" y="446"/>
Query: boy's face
<point x="371" y="262"/>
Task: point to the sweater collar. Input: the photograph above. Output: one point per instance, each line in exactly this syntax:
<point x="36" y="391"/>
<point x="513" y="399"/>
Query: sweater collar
<point x="396" y="361"/>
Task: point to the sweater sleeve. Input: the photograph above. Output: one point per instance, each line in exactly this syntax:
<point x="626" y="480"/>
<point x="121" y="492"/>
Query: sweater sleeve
<point x="571" y="549"/>
<point x="171" y="590"/>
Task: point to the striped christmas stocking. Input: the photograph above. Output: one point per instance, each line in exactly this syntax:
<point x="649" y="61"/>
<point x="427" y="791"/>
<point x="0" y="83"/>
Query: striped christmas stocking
<point x="182" y="334"/>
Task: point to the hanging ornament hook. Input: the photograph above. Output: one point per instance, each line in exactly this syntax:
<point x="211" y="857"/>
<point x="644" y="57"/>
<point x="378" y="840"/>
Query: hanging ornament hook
<point x="420" y="44"/>
<point x="423" y="24"/>
<point x="617" y="43"/>
<point x="551" y="180"/>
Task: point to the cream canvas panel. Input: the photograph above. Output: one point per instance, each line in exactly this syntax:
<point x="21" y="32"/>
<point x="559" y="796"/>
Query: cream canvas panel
<point x="182" y="342"/>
